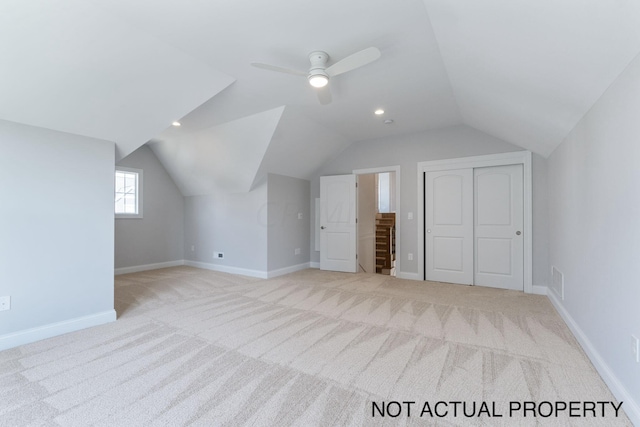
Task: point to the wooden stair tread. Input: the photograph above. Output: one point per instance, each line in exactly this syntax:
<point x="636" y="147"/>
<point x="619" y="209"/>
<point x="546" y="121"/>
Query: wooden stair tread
<point x="385" y="242"/>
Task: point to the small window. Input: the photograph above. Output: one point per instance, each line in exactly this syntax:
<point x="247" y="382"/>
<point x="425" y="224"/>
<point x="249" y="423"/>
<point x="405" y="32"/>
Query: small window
<point x="128" y="193"/>
<point x="384" y="192"/>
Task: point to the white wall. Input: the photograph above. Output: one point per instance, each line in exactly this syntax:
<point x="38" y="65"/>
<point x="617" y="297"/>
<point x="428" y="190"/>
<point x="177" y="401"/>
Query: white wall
<point x="56" y="232"/>
<point x="407" y="151"/>
<point x="594" y="213"/>
<point x="540" y="221"/>
<point x="158" y="237"/>
<point x="286" y="232"/>
<point x="258" y="231"/>
<point x="235" y="224"/>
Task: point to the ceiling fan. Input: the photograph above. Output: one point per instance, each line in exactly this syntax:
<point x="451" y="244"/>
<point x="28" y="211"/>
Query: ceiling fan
<point x="319" y="74"/>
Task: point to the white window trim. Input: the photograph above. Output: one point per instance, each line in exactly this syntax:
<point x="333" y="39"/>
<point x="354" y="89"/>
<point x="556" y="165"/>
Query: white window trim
<point x="140" y="192"/>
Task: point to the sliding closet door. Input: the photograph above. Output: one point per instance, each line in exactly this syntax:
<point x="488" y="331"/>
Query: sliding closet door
<point x="449" y="226"/>
<point x="498" y="215"/>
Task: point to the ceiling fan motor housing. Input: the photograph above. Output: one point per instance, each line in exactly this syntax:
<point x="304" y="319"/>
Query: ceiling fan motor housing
<point x="318" y="61"/>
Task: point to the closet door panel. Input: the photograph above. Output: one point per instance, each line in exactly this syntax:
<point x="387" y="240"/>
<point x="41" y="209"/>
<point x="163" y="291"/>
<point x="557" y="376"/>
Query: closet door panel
<point x="449" y="226"/>
<point x="498" y="227"/>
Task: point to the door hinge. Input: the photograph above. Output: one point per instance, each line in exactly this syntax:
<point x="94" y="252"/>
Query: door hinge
<point x="356" y="220"/>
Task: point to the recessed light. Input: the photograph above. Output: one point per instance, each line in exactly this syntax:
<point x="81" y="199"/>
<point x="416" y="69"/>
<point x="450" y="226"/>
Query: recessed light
<point x="388" y="122"/>
<point x="379" y="112"/>
<point x="176" y="124"/>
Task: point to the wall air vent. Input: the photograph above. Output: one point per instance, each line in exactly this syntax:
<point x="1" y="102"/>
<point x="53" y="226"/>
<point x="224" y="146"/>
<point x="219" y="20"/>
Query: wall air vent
<point x="557" y="282"/>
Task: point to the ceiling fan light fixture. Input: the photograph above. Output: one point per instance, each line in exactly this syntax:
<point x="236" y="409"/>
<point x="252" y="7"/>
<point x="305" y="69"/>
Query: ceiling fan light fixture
<point x="318" y="80"/>
<point x="319" y="73"/>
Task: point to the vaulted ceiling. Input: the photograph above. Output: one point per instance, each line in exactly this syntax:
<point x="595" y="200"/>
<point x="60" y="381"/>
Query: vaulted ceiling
<point x="523" y="71"/>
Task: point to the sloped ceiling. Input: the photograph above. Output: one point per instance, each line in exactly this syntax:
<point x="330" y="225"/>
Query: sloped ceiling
<point x="527" y="71"/>
<point x="223" y="158"/>
<point x="300" y="138"/>
<point x="71" y="67"/>
<point x="523" y="71"/>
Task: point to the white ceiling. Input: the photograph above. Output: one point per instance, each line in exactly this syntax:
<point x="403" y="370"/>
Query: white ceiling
<point x="70" y="67"/>
<point x="525" y="72"/>
<point x="222" y="158"/>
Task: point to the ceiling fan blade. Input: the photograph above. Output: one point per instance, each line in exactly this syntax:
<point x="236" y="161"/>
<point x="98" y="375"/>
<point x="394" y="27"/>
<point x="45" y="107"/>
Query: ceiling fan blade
<point x="279" y="69"/>
<point x="324" y="95"/>
<point x="354" y="61"/>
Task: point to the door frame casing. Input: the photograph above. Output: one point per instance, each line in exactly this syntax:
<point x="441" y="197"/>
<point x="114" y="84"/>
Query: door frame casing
<point x="395" y="169"/>
<point x="501" y="159"/>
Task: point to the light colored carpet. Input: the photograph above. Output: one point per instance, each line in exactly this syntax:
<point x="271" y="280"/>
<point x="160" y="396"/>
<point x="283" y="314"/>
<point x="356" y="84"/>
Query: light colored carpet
<point x="311" y="348"/>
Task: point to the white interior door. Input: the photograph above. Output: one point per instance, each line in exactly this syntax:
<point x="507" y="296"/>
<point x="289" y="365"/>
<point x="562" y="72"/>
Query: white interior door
<point x="499" y="218"/>
<point x="449" y="226"/>
<point x="338" y="237"/>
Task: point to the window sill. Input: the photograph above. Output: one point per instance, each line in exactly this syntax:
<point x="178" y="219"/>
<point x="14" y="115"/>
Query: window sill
<point x="128" y="216"/>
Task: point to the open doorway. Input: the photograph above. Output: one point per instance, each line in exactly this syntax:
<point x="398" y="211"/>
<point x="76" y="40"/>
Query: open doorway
<point x="377" y="223"/>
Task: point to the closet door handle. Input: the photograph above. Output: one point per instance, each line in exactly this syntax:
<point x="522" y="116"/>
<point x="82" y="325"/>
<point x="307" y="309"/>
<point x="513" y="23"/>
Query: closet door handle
<point x="518" y="233"/>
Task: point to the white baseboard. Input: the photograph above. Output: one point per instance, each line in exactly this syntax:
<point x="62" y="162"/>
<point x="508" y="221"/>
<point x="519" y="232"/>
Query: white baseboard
<point x="287" y="270"/>
<point x="28" y="336"/>
<point x="247" y="272"/>
<point x="227" y="269"/>
<point x="631" y="406"/>
<point x="408" y="276"/>
<point x="536" y="289"/>
<point x="539" y="290"/>
<point x="314" y="265"/>
<point x="137" y="268"/>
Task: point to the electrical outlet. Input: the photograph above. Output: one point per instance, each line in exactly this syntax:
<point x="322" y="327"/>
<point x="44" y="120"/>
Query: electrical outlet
<point x="218" y="255"/>
<point x="410" y="215"/>
<point x="297" y="251"/>
<point x="5" y="303"/>
<point x="410" y="257"/>
<point x="635" y="348"/>
<point x="299" y="215"/>
<point x="193" y="248"/>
